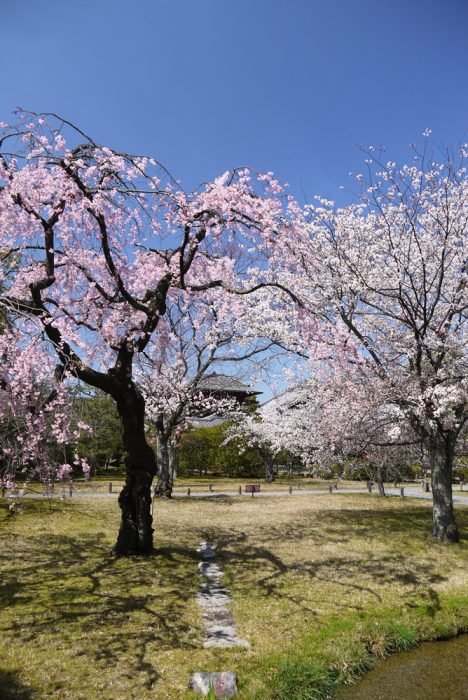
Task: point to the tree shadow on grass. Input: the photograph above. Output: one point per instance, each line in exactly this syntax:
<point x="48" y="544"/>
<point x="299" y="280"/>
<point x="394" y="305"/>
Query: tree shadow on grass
<point x="112" y="610"/>
<point x="390" y="524"/>
<point x="12" y="689"/>
<point x="254" y="563"/>
<point x="69" y="589"/>
<point x="346" y="523"/>
<point x="386" y="523"/>
<point x="270" y="575"/>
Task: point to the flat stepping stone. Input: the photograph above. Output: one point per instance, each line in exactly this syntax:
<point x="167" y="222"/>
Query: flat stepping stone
<point x="228" y="643"/>
<point x="218" y="631"/>
<point x="212" y="602"/>
<point x="210" y="570"/>
<point x="207" y="550"/>
<point x="223" y="637"/>
<point x="223" y="684"/>
<point x="212" y="587"/>
<point x="220" y="616"/>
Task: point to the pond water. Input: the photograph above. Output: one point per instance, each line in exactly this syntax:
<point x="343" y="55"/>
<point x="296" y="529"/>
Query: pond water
<point x="432" y="671"/>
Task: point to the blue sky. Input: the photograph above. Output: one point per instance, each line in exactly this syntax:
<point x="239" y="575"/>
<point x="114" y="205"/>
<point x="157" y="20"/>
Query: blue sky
<point x="291" y="86"/>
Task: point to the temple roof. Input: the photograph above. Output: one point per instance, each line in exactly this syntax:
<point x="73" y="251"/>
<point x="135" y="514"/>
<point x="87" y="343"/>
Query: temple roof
<point x="210" y="421"/>
<point x="223" y="382"/>
<point x="287" y="400"/>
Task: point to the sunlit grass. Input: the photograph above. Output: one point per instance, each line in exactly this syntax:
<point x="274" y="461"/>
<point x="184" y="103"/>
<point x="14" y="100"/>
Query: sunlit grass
<point x="321" y="586"/>
<point x="218" y="484"/>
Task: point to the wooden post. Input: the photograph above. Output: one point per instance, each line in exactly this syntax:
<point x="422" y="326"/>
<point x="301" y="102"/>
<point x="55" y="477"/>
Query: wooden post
<point x="188" y="492"/>
<point x="427" y="487"/>
<point x="210" y="488"/>
<point x="402" y="492"/>
<point x="330" y="488"/>
<point x="369" y="486"/>
<point x="290" y="490"/>
<point x="70" y="489"/>
<point x="240" y="490"/>
<point x="110" y="486"/>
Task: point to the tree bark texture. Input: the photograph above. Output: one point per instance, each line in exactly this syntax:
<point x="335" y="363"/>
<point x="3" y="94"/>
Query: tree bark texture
<point x="380" y="483"/>
<point x="270" y="475"/>
<point x="163" y="488"/>
<point x="440" y="450"/>
<point x="136" y="531"/>
<point x="173" y="459"/>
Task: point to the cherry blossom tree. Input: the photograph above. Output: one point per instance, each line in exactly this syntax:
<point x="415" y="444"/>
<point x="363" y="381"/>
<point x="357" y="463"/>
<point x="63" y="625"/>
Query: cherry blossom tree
<point x="276" y="426"/>
<point x="345" y="421"/>
<point x="389" y="275"/>
<point x="106" y="242"/>
<point x="196" y="334"/>
<point x="36" y="417"/>
<point x="252" y="431"/>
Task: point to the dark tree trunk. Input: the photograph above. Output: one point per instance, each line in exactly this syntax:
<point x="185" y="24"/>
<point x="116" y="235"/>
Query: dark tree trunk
<point x="173" y="459"/>
<point x="381" y="487"/>
<point x="440" y="450"/>
<point x="136" y="531"/>
<point x="270" y="475"/>
<point x="163" y="488"/>
<point x="380" y="483"/>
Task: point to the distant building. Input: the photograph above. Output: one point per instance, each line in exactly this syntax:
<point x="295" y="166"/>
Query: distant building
<point x="220" y="386"/>
<point x="288" y="400"/>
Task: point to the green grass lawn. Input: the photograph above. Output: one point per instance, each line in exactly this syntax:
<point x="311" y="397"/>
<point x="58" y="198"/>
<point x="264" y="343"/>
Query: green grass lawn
<point x="321" y="586"/>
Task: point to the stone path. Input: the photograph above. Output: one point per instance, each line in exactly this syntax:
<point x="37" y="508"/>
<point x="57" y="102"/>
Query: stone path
<point x="215" y="601"/>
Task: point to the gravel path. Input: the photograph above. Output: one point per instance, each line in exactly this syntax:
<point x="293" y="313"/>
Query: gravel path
<point x="410" y="491"/>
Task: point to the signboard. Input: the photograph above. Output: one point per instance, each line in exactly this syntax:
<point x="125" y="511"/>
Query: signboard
<point x="252" y="488"/>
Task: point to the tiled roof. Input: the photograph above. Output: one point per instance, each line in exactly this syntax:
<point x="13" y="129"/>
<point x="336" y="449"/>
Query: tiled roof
<point x="289" y="399"/>
<point x="223" y="382"/>
<point x="206" y="421"/>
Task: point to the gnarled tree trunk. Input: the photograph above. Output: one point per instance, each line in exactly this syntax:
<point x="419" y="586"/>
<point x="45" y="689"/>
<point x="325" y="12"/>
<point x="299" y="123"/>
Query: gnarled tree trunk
<point x="440" y="450"/>
<point x="163" y="488"/>
<point x="136" y="531"/>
